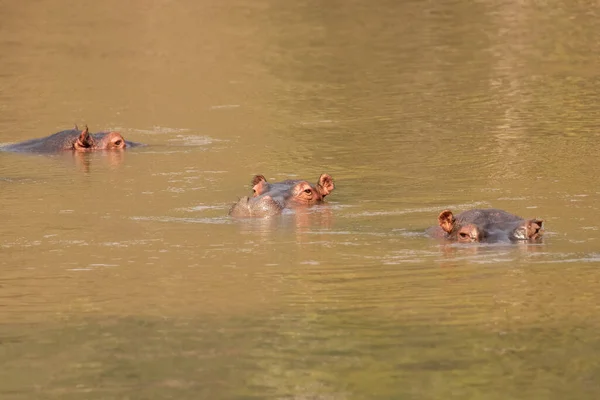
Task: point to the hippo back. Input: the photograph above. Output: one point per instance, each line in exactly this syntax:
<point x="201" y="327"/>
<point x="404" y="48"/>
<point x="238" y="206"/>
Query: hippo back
<point x="62" y="140"/>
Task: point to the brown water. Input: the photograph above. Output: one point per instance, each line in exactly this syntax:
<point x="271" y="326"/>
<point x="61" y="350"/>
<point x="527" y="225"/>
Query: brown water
<point x="121" y="276"/>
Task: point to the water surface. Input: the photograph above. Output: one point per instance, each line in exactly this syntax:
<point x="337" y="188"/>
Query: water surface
<point x="123" y="277"/>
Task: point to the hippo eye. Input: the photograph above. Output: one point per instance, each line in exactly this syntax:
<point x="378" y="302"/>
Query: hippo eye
<point x="118" y="142"/>
<point x="464" y="235"/>
<point x="307" y="191"/>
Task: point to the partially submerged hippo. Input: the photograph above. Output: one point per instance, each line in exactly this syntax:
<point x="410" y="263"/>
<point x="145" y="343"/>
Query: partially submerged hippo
<point x="271" y="198"/>
<point x="485" y="225"/>
<point x="73" y="139"/>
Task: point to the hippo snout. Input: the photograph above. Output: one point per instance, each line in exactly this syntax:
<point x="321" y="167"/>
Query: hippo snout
<point x="261" y="206"/>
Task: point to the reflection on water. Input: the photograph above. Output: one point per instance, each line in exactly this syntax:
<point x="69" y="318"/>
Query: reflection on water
<point x="84" y="160"/>
<point x="123" y="276"/>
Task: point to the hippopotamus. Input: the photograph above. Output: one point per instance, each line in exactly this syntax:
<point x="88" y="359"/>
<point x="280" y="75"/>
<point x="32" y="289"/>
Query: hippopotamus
<point x="486" y="225"/>
<point x="73" y="139"/>
<point x="272" y="198"/>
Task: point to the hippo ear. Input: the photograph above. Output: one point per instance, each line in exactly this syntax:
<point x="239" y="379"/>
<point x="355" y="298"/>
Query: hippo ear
<point x="528" y="230"/>
<point x="446" y="220"/>
<point x="259" y="185"/>
<point x="85" y="140"/>
<point x="534" y="228"/>
<point x="258" y="179"/>
<point x="325" y="184"/>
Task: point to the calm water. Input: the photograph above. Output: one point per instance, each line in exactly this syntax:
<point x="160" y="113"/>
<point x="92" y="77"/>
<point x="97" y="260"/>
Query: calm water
<point x="121" y="276"/>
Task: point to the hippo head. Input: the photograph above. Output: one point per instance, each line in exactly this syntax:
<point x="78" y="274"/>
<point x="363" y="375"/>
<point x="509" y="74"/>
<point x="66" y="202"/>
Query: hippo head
<point x="295" y="191"/>
<point x="99" y="141"/>
<point x="488" y="226"/>
<point x="271" y="198"/>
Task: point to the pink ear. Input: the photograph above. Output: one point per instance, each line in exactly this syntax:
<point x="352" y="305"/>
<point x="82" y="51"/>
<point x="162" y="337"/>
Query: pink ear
<point x="446" y="220"/>
<point x="258" y="179"/>
<point x="85" y="140"/>
<point x="534" y="228"/>
<point x="325" y="184"/>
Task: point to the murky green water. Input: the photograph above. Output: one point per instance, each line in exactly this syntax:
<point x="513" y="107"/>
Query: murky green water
<point x="123" y="278"/>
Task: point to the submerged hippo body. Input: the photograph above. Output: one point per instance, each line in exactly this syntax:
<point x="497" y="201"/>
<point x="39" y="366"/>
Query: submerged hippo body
<point x="72" y="139"/>
<point x="272" y="198"/>
<point x="485" y="225"/>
